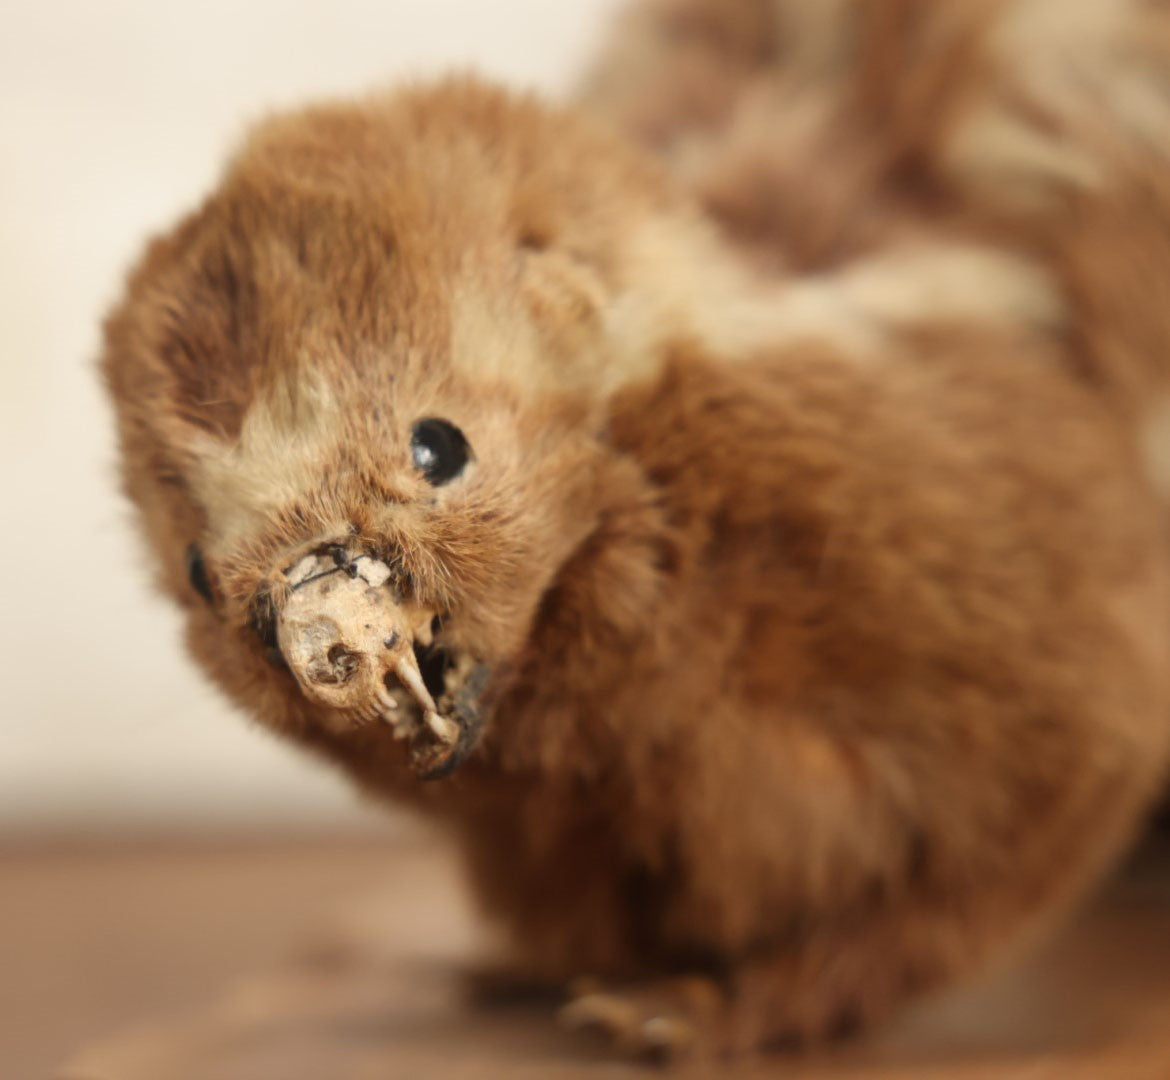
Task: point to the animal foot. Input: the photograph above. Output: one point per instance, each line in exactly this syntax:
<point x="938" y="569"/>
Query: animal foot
<point x="661" y="1022"/>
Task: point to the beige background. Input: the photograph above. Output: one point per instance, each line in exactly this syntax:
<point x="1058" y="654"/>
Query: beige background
<point x="114" y="117"/>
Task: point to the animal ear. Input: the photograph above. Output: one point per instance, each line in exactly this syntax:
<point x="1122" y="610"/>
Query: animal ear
<point x="184" y="339"/>
<point x="205" y="342"/>
<point x="173" y="410"/>
<point x="566" y="297"/>
<point x="171" y="360"/>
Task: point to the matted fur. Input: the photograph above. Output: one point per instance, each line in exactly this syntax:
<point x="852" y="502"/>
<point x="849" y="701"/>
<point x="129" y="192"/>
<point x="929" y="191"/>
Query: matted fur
<point x="811" y="534"/>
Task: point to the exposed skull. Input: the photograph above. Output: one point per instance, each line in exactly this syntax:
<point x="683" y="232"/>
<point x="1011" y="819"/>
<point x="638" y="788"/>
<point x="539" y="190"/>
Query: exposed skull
<point x="349" y="641"/>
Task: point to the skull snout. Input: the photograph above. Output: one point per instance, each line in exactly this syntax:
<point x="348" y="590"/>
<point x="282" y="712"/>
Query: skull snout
<point x="348" y="639"/>
<point x="331" y="661"/>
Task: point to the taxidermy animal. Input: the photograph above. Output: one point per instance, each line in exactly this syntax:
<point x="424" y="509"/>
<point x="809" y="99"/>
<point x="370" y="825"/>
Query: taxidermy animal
<point x="732" y="504"/>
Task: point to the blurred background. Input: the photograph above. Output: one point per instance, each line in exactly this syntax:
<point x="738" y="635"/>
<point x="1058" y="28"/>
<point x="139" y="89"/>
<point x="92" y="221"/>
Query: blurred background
<point x="114" y="120"/>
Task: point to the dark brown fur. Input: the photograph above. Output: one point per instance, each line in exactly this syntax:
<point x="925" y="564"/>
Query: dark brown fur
<point x="821" y="672"/>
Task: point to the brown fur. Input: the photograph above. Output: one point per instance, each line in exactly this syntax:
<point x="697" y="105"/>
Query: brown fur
<point x="819" y="567"/>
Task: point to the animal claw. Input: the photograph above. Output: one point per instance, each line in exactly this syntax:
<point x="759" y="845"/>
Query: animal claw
<point x="624" y="1023"/>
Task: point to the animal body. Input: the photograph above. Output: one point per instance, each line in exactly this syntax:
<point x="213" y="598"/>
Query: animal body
<point x="738" y="491"/>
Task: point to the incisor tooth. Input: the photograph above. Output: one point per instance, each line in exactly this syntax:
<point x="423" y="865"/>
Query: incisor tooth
<point x="406" y="668"/>
<point x="446" y="731"/>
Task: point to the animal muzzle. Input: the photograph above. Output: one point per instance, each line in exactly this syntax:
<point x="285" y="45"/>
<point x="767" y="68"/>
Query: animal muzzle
<point x="352" y="644"/>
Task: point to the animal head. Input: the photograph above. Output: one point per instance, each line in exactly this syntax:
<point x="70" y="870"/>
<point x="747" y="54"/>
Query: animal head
<point x="362" y="393"/>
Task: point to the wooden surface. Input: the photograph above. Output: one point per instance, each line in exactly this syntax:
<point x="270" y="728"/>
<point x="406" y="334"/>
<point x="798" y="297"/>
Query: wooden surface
<point x="98" y="934"/>
<point x="373" y="988"/>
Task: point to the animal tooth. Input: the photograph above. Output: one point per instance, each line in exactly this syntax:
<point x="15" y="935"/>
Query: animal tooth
<point x="406" y="668"/>
<point x="446" y="731"/>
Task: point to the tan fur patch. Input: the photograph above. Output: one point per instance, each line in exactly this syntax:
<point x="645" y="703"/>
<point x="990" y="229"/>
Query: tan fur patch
<point x="288" y="441"/>
<point x="942" y="282"/>
<point x="858" y="307"/>
<point x="698" y="294"/>
<point x="492" y="340"/>
<point x="1054" y="109"/>
<point x="1155" y="446"/>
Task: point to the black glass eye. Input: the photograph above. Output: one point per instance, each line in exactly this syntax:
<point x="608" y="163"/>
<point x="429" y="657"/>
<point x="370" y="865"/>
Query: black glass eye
<point x="197" y="573"/>
<point x="439" y="450"/>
